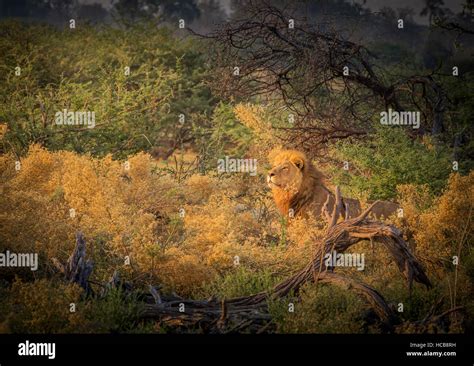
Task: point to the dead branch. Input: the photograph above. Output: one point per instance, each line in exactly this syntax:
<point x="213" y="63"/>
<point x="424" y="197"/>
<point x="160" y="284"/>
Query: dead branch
<point x="333" y="86"/>
<point x="77" y="268"/>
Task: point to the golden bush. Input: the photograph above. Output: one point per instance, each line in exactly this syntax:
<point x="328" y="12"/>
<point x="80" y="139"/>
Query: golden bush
<point x="198" y="189"/>
<point x="440" y="224"/>
<point x="181" y="233"/>
<point x="185" y="234"/>
<point x="255" y="117"/>
<point x="41" y="307"/>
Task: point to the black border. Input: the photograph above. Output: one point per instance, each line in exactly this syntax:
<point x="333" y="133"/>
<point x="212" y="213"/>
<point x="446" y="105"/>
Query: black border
<point x="327" y="347"/>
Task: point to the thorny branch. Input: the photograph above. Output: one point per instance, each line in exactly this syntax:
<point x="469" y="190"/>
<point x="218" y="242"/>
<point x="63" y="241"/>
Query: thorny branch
<point x="334" y="86"/>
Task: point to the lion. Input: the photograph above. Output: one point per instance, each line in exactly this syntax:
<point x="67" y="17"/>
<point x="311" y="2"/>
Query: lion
<point x="299" y="188"/>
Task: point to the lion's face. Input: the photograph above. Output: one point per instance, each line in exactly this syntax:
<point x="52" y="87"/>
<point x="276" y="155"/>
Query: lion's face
<point x="287" y="176"/>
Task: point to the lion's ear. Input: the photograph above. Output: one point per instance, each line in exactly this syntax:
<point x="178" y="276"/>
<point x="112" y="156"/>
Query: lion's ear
<point x="299" y="163"/>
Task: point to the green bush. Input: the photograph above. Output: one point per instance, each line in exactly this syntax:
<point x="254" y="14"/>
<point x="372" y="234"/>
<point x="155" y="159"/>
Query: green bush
<point x="387" y="158"/>
<point x="84" y="70"/>
<point x="240" y="282"/>
<point x="117" y="312"/>
<point x="44" y="306"/>
<point x="320" y="309"/>
<point x="224" y="135"/>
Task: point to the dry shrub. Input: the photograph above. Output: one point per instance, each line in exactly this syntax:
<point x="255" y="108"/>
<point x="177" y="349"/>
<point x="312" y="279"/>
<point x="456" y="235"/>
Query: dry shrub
<point x="434" y="227"/>
<point x="439" y="224"/>
<point x="449" y="221"/>
<point x="110" y="207"/>
<point x="252" y="116"/>
<point x="229" y="221"/>
<point x="41" y="307"/>
<point x="183" y="272"/>
<point x="257" y="118"/>
<point x="198" y="189"/>
<point x="222" y="229"/>
<point x="303" y="234"/>
<point x="137" y="211"/>
<point x="190" y="234"/>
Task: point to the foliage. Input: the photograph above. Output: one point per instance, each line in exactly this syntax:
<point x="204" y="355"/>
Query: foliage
<point x="445" y="228"/>
<point x="389" y="158"/>
<point x="239" y="282"/>
<point x="40" y="307"/>
<point x="201" y="236"/>
<point x="319" y="309"/>
<point x="85" y="70"/>
<point x="181" y="234"/>
<point x="143" y="185"/>
<point x="44" y="306"/>
<point x="224" y="136"/>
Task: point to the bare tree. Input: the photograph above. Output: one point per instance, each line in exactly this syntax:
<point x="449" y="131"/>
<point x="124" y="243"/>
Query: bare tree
<point x="334" y="86"/>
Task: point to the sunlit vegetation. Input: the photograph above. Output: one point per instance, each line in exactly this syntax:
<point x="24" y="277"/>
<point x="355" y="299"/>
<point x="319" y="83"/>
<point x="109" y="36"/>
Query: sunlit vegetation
<point x="143" y="187"/>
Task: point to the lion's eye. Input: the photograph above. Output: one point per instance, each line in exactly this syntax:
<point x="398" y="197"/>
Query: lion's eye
<point x="285" y="168"/>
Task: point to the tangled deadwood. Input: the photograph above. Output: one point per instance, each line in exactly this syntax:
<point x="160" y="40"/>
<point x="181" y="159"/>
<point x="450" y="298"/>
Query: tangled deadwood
<point x="250" y="313"/>
<point x="340" y="237"/>
<point x="332" y="86"/>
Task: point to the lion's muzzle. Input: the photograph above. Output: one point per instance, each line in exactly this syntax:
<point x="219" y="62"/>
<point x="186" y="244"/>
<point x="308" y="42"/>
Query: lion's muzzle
<point x="271" y="180"/>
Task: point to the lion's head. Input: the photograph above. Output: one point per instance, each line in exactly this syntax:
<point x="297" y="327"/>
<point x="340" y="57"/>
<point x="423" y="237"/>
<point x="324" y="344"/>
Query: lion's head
<point x="288" y="169"/>
<point x="294" y="181"/>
